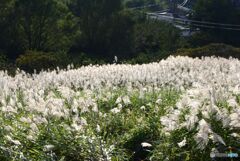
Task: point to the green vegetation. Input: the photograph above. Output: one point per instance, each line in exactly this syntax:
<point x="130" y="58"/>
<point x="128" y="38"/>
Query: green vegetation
<point x="218" y="11"/>
<point x="114" y="131"/>
<point x="3" y="60"/>
<point x="95" y="31"/>
<point x="220" y="50"/>
<point x="40" y="60"/>
<point x="88" y="32"/>
<point x="125" y="130"/>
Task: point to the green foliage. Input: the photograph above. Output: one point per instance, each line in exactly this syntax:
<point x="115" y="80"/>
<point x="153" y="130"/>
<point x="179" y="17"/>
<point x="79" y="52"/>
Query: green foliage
<point x="48" y="60"/>
<point x="6" y="64"/>
<point x="102" y="29"/>
<point x="105" y="30"/>
<point x="143" y="58"/>
<point x="38" y="22"/>
<point x="152" y="36"/>
<point x="140" y="59"/>
<point x="82" y="59"/>
<point x="137" y="3"/>
<point x="118" y="137"/>
<point x="3" y="61"/>
<point x="154" y="40"/>
<point x="215" y="10"/>
<point x="160" y="4"/>
<point x="45" y="25"/>
<point x="219" y="11"/>
<point x="33" y="60"/>
<point x="10" y="41"/>
<point x="200" y="39"/>
<point x="221" y="50"/>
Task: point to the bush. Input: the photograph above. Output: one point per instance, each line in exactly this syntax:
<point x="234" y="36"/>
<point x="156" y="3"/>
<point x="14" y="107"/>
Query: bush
<point x="154" y="36"/>
<point x="140" y="59"/>
<point x="33" y="60"/>
<point x="82" y="59"/>
<point x="201" y="39"/>
<point x="7" y="65"/>
<point x="3" y="61"/>
<point x="144" y="58"/>
<point x="220" y="50"/>
<point x="43" y="61"/>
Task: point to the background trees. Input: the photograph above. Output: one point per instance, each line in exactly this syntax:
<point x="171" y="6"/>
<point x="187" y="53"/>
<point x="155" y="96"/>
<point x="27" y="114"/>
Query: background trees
<point x="37" y="20"/>
<point x="154" y="36"/>
<point x="219" y="11"/>
<point x="105" y="29"/>
<point x="9" y="37"/>
<point x="94" y="31"/>
<point x="42" y="25"/>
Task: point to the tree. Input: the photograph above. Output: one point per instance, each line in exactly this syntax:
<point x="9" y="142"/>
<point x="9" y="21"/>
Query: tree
<point x="45" y="25"/>
<point x="218" y="11"/>
<point x="154" y="36"/>
<point x="37" y="21"/>
<point x="42" y="25"/>
<point x="221" y="11"/>
<point x="9" y="39"/>
<point x="103" y="26"/>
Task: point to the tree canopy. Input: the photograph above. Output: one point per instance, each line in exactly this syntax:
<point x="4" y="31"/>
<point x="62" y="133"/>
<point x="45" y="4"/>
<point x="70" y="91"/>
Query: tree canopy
<point x="93" y="31"/>
<point x="218" y="11"/>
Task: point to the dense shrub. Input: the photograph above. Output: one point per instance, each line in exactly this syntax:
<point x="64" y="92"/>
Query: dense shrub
<point x="221" y="50"/>
<point x="153" y="36"/>
<point x="3" y="61"/>
<point x="6" y="64"/>
<point x="143" y="58"/>
<point x="33" y="60"/>
<point x="82" y="59"/>
<point x="200" y="39"/>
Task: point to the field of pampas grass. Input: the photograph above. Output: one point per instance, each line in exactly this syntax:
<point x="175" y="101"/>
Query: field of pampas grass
<point x="177" y="109"/>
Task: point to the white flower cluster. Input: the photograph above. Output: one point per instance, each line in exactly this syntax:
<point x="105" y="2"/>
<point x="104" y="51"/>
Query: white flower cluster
<point x="198" y="105"/>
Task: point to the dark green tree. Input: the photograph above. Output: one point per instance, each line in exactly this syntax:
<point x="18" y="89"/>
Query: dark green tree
<point x="153" y="36"/>
<point x="43" y="25"/>
<point x="218" y="11"/>
<point x="37" y="20"/>
<point x="104" y="28"/>
<point x="222" y="11"/>
<point x="9" y="36"/>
